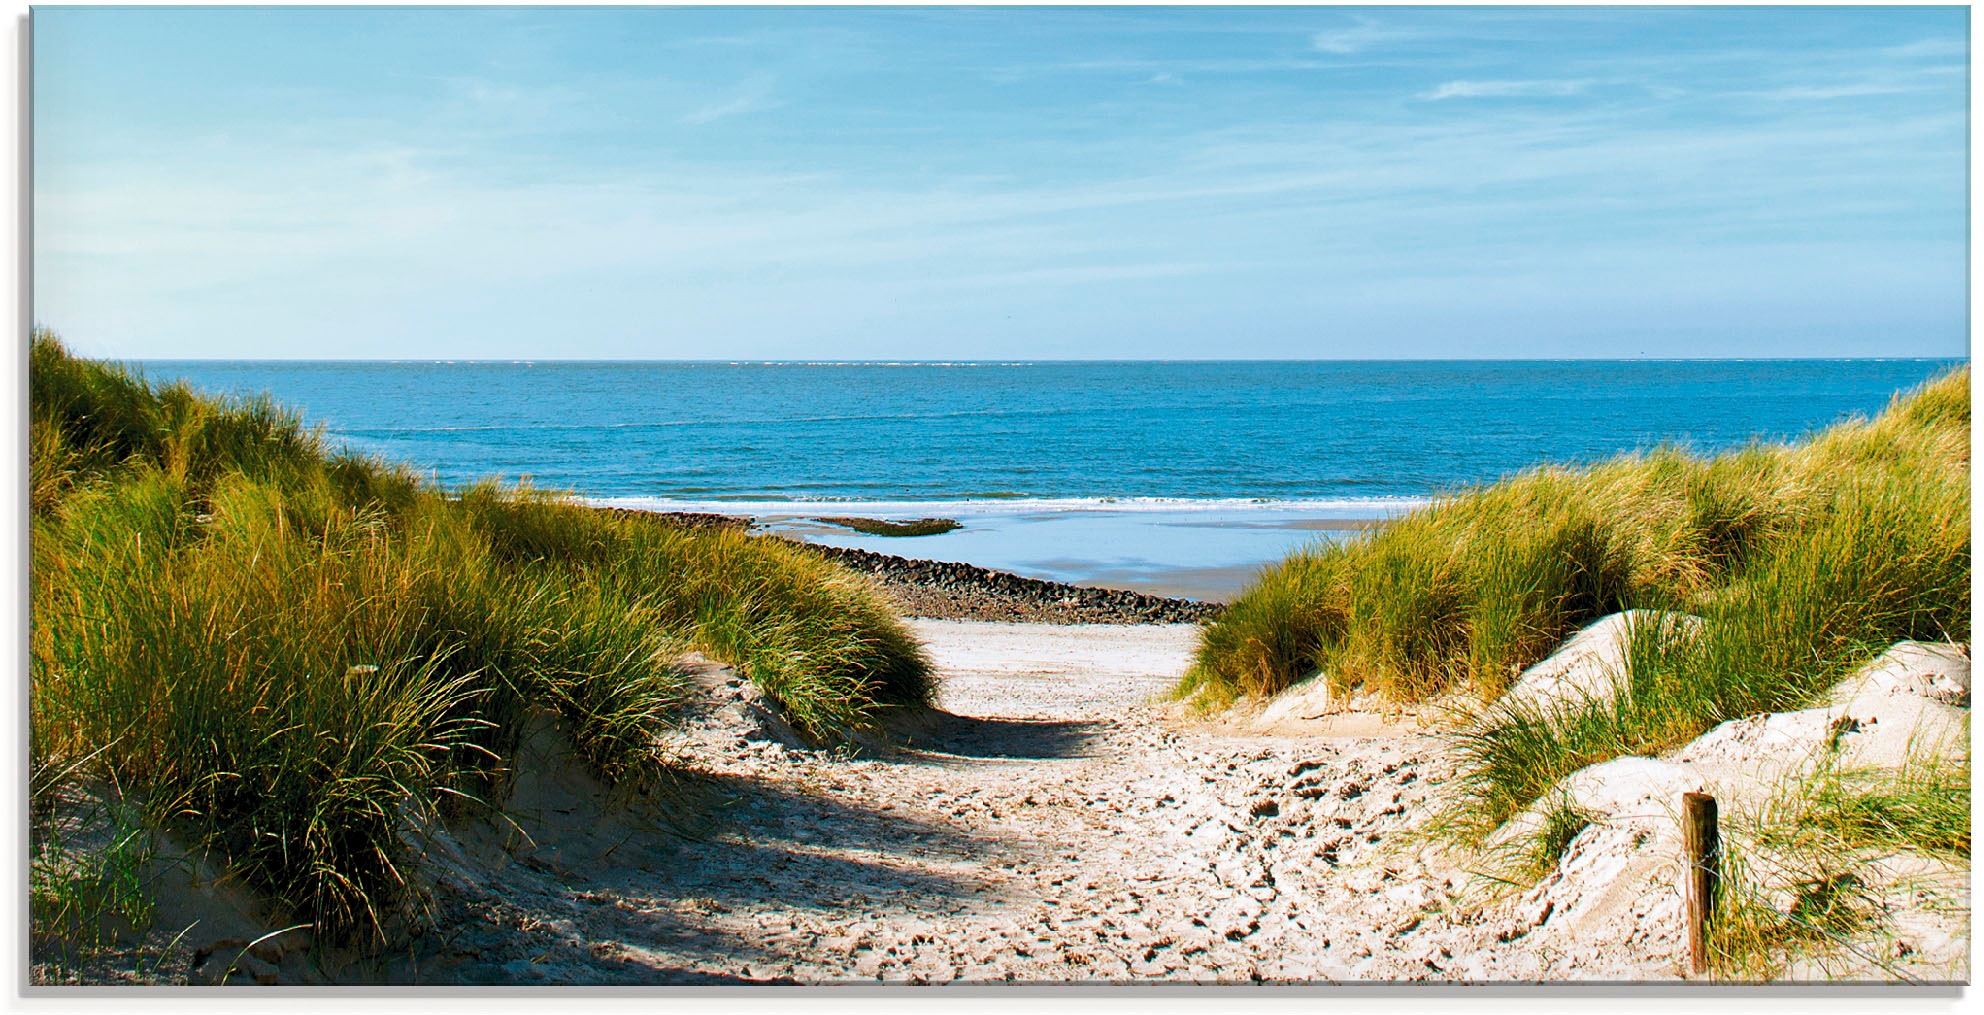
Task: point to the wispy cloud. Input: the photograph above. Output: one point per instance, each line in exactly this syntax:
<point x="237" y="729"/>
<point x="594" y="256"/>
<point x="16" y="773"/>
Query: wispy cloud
<point x="754" y="95"/>
<point x="1357" y="38"/>
<point x="1085" y="274"/>
<point x="1928" y="48"/>
<point x="1190" y="66"/>
<point x="1504" y="89"/>
<point x="490" y="206"/>
<point x="1835" y="92"/>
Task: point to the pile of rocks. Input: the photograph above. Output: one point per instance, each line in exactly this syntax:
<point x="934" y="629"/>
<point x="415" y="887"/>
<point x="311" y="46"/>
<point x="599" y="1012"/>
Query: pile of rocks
<point x="947" y="591"/>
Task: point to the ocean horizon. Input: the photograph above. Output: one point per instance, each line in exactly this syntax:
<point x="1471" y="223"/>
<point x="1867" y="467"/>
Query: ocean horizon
<point x="1177" y="477"/>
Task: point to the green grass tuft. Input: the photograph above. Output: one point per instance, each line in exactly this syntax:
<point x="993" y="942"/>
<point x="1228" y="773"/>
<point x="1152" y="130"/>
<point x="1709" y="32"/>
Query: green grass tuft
<point x="1795" y="875"/>
<point x="295" y="655"/>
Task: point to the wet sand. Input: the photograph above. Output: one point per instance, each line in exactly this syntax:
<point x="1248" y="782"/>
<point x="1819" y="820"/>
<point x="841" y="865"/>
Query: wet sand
<point x="1204" y="551"/>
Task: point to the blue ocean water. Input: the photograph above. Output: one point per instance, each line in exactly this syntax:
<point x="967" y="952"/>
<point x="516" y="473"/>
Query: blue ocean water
<point x="1141" y="474"/>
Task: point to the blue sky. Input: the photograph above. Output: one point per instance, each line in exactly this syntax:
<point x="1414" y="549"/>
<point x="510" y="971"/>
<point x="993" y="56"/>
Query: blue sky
<point x="718" y="183"/>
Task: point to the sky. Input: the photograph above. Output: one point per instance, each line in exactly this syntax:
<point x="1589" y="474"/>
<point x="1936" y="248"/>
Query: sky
<point x="1001" y="183"/>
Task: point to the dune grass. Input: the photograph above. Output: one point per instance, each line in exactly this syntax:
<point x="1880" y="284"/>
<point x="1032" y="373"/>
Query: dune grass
<point x="1803" y="875"/>
<point x="1522" y="861"/>
<point x="294" y="655"/>
<point x="1802" y="560"/>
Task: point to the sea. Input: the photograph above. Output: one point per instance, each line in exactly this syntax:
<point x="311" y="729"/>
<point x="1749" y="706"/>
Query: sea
<point x="1180" y="478"/>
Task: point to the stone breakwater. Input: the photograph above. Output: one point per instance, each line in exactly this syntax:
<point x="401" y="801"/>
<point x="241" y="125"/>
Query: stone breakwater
<point x="940" y="590"/>
<point x="947" y="591"/>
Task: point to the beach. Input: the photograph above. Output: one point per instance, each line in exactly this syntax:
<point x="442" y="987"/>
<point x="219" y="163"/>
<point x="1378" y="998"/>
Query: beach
<point x="1050" y="824"/>
<point x="1055" y="821"/>
<point x="723" y="746"/>
<point x="724" y="496"/>
<point x="1206" y="551"/>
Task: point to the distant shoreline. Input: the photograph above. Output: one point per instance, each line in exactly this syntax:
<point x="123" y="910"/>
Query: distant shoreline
<point x="1359" y="510"/>
<point x="1204" y="551"/>
<point x="947" y="590"/>
<point x="939" y="589"/>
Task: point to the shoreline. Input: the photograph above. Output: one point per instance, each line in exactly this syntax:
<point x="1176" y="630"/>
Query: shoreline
<point x="946" y="590"/>
<point x="1209" y="551"/>
<point x="941" y="590"/>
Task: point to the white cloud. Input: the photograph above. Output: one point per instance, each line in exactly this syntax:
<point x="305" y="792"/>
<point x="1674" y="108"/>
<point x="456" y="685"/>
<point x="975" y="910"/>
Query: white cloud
<point x="1366" y="33"/>
<point x="332" y="233"/>
<point x="1503" y="89"/>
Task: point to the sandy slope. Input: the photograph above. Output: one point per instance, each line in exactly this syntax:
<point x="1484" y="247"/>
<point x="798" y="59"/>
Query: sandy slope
<point x="1053" y="823"/>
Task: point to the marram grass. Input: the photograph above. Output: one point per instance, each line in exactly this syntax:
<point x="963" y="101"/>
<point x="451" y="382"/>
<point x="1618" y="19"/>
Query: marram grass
<point x="1801" y="876"/>
<point x="295" y="655"/>
<point x="1466" y="593"/>
<point x="1802" y="561"/>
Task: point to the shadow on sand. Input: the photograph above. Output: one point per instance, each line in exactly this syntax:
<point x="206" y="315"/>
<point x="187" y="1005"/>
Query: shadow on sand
<point x="966" y="736"/>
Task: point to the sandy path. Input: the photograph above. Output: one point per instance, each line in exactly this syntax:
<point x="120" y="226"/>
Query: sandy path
<point x="1055" y="823"/>
<point x="1054" y="826"/>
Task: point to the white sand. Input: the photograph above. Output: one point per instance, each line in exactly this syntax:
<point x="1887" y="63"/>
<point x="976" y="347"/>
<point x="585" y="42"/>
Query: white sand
<point x="1147" y="651"/>
<point x="998" y="668"/>
<point x="1058" y="824"/>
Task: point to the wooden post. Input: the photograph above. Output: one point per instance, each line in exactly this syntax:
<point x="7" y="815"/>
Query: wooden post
<point x="1702" y="843"/>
